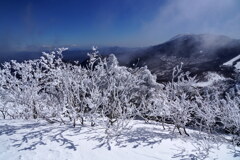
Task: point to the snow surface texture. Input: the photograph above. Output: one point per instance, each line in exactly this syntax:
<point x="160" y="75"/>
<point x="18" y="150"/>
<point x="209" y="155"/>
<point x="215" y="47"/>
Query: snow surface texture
<point x="38" y="140"/>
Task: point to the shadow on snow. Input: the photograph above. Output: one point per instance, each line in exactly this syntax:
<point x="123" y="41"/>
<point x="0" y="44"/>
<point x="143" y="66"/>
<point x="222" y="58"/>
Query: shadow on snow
<point x="35" y="134"/>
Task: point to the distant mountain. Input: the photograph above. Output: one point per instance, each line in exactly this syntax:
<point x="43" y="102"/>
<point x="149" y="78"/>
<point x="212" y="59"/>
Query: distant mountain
<point x="199" y="53"/>
<point x="124" y="54"/>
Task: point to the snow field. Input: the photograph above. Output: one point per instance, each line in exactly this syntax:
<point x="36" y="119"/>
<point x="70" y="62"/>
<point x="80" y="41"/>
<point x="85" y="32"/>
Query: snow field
<point x="37" y="140"/>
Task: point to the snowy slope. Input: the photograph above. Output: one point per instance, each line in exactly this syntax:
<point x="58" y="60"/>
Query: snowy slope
<point x="230" y="62"/>
<point x="25" y="140"/>
<point x="211" y="78"/>
<point x="237" y="66"/>
<point x="233" y="63"/>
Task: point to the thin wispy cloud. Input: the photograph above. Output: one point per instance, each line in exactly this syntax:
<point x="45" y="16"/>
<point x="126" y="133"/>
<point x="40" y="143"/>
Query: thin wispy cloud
<point x="192" y="16"/>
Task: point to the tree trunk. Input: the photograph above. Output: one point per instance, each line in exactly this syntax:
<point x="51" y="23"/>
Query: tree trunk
<point x="4" y="116"/>
<point x="74" y="122"/>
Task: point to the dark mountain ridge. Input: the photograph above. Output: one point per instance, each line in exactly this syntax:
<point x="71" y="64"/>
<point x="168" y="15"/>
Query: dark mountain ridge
<point x="199" y="53"/>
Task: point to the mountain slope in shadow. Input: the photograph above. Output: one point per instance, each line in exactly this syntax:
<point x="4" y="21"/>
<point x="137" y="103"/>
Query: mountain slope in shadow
<point x="199" y="53"/>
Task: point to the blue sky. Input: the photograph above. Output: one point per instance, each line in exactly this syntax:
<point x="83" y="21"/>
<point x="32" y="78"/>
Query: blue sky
<point x="32" y="24"/>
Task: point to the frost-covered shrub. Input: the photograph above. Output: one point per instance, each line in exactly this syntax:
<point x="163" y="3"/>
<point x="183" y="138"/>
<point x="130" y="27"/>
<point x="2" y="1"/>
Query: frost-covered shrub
<point x="230" y="117"/>
<point x="181" y="95"/>
<point x="49" y="88"/>
<point x="104" y="93"/>
<point x="24" y="85"/>
<point x="209" y="111"/>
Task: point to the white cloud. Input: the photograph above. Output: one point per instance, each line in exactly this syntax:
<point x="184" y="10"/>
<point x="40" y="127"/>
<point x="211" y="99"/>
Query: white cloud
<point x="192" y="16"/>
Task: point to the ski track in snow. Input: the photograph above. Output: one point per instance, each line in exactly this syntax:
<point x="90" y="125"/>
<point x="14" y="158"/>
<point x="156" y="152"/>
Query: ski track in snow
<point x="38" y="140"/>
